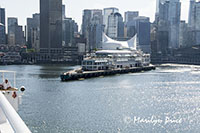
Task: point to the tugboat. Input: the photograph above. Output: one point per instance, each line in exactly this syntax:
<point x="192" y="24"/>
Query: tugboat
<point x="116" y="57"/>
<point x="10" y="98"/>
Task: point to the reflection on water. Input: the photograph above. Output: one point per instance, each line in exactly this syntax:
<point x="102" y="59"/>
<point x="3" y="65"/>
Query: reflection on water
<point x="170" y="94"/>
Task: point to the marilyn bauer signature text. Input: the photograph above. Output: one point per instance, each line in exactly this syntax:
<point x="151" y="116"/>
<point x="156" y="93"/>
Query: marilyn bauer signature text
<point x="153" y="120"/>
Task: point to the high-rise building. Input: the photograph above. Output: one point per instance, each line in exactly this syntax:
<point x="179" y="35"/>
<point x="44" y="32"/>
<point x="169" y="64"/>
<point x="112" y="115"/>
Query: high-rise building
<point x="93" y="16"/>
<point x="194" y="21"/>
<point x="2" y="26"/>
<point x="2" y="34"/>
<point x="130" y="29"/>
<point x="69" y="29"/>
<point x="174" y="22"/>
<point x="158" y="2"/>
<point x="12" y="21"/>
<point x="15" y="32"/>
<point x="2" y="15"/>
<point x="183" y="34"/>
<point x="130" y="15"/>
<point x="51" y="26"/>
<point x="143" y="28"/>
<point x="95" y="36"/>
<point x="86" y="20"/>
<point x="97" y="17"/>
<point x="96" y="29"/>
<point x="192" y="12"/>
<point x="162" y="28"/>
<point x="63" y="12"/>
<point x="106" y="13"/>
<point x="168" y="19"/>
<point x="163" y="16"/>
<point x="33" y="32"/>
<point x="19" y="35"/>
<point x="115" y="27"/>
<point x="92" y="28"/>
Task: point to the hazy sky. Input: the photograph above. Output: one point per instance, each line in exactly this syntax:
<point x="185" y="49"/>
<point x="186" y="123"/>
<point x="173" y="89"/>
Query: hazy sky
<point x="25" y="8"/>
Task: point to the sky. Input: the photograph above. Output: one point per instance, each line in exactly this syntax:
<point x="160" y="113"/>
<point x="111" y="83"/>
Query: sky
<point x="74" y="8"/>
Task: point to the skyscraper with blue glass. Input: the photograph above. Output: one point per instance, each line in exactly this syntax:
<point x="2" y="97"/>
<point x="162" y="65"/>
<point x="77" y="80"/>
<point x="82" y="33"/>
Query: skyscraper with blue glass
<point x="2" y="26"/>
<point x="51" y="26"/>
<point x="168" y="17"/>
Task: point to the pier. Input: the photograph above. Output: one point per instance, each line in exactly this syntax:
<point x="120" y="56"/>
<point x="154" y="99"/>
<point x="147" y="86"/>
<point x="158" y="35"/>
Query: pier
<point x="72" y="75"/>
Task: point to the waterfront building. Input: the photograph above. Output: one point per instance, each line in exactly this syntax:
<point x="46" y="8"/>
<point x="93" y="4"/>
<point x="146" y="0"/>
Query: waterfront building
<point x="106" y="13"/>
<point x="2" y="26"/>
<point x="70" y="54"/>
<point x="51" y="27"/>
<point x="115" y="27"/>
<point x="33" y="32"/>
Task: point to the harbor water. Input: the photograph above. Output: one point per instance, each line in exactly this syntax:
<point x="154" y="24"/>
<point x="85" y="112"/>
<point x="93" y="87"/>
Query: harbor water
<point x="163" y="100"/>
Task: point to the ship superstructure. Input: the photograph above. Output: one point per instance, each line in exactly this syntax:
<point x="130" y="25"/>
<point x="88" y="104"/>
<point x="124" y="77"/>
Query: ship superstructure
<point x="116" y="54"/>
<point x="114" y="59"/>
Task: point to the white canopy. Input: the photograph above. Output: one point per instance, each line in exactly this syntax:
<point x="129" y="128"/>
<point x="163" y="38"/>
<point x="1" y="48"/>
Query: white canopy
<point x="7" y="71"/>
<point x="110" y="44"/>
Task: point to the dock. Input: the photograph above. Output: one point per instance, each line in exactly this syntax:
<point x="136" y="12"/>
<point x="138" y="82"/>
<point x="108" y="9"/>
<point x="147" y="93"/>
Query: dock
<point x="73" y="75"/>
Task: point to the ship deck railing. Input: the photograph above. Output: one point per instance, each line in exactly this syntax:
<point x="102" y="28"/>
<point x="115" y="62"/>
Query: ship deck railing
<point x="12" y="116"/>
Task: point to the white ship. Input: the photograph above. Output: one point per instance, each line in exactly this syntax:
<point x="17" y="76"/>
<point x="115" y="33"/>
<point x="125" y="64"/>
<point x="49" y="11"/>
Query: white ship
<point x="10" y="121"/>
<point x="115" y="55"/>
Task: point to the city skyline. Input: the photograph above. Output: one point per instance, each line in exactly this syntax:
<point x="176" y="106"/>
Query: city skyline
<point x="145" y="8"/>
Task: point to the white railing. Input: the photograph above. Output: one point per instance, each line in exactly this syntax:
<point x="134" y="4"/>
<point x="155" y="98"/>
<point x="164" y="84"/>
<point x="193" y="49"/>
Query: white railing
<point x="12" y="116"/>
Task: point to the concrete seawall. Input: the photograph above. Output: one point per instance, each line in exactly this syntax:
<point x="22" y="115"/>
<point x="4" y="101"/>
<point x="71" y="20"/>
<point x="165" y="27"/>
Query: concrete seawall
<point x="92" y="74"/>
